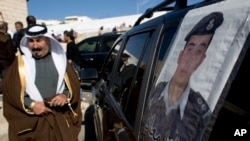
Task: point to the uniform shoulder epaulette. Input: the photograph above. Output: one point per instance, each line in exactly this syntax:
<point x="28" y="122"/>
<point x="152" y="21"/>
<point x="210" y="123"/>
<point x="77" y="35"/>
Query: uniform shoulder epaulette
<point x="199" y="102"/>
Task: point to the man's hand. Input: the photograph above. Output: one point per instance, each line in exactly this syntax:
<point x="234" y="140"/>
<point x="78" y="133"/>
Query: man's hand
<point x="70" y="61"/>
<point x="59" y="100"/>
<point x="39" y="108"/>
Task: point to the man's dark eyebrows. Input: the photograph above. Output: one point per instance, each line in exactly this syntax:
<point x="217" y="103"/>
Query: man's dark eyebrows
<point x="31" y="40"/>
<point x="204" y="44"/>
<point x="190" y="43"/>
<point x="36" y="38"/>
<point x="187" y="44"/>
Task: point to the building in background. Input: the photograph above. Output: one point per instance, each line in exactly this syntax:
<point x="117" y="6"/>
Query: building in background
<point x="12" y="11"/>
<point x="71" y="19"/>
<point x="49" y="22"/>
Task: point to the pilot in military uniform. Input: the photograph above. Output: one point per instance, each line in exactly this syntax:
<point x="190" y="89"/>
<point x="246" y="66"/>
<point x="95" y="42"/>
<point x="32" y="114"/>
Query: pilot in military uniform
<point x="175" y="112"/>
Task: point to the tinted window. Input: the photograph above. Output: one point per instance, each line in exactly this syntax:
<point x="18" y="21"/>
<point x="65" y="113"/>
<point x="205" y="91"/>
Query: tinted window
<point x="107" y="68"/>
<point x="129" y="74"/>
<point x="88" y="45"/>
<point x="107" y="43"/>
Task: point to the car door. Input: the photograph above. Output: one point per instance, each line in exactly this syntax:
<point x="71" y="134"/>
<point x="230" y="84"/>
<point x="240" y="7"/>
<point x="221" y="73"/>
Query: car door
<point x="122" y="86"/>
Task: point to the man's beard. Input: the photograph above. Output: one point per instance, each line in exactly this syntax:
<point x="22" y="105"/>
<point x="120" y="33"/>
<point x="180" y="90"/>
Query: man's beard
<point x="36" y="53"/>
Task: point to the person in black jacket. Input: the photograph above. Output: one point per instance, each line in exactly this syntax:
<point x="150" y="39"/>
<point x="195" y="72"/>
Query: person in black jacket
<point x="31" y="20"/>
<point x="72" y="51"/>
<point x="18" y="34"/>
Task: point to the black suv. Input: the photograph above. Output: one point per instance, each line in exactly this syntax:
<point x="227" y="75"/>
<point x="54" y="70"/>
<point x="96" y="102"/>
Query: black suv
<point x="93" y="50"/>
<point x="135" y="102"/>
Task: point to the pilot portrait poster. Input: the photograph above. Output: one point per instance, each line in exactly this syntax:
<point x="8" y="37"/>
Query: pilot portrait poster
<point x="195" y="72"/>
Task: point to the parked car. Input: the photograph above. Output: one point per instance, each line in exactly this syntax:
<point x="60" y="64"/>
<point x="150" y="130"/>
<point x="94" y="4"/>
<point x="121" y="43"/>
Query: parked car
<point x="93" y="50"/>
<point x="124" y="97"/>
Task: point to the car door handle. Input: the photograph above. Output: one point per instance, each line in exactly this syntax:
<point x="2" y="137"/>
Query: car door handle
<point x="89" y="59"/>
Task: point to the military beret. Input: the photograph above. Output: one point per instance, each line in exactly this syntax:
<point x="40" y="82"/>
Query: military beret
<point x="207" y="25"/>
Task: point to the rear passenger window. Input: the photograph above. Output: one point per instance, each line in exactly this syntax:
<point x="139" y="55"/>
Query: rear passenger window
<point x="88" y="46"/>
<point x="130" y="74"/>
<point x="107" y="43"/>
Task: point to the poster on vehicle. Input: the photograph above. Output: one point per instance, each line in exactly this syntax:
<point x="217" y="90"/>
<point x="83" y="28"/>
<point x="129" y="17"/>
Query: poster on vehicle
<point x="195" y="72"/>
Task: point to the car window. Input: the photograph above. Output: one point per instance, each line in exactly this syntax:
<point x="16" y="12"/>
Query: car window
<point x="131" y="97"/>
<point x="109" y="63"/>
<point x="107" y="43"/>
<point x="88" y="45"/>
<point x="129" y="73"/>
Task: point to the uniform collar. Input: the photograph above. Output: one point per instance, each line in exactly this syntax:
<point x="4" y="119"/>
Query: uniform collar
<point x="181" y="102"/>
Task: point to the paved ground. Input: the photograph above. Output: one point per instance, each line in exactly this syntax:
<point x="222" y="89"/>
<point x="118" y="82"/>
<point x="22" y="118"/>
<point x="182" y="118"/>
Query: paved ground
<point x="4" y="125"/>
